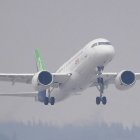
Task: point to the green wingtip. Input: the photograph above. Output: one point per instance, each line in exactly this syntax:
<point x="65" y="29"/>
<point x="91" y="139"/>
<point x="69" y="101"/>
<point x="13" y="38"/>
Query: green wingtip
<point x="40" y="62"/>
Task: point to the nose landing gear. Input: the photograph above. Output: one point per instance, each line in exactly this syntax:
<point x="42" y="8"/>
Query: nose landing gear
<point x="100" y="87"/>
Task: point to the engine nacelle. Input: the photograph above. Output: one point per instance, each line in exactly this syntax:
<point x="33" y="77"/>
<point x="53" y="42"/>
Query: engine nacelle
<point x="125" y="80"/>
<point x="42" y="80"/>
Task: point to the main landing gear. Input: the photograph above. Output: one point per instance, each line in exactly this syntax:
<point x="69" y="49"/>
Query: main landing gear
<point x="49" y="99"/>
<point x="100" y="87"/>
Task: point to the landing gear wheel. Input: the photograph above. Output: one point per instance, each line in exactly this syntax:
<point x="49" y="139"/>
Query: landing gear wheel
<point x="104" y="100"/>
<point x="98" y="100"/>
<point x="46" y="101"/>
<point x="52" y="100"/>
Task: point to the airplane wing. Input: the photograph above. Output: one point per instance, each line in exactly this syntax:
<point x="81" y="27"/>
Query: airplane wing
<point x="27" y="78"/>
<point x="20" y="94"/>
<point x="109" y="78"/>
<point x="21" y="78"/>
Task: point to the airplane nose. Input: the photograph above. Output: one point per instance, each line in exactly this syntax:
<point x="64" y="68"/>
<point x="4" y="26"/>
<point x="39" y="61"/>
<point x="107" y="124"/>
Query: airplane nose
<point x="109" y="51"/>
<point x="105" y="52"/>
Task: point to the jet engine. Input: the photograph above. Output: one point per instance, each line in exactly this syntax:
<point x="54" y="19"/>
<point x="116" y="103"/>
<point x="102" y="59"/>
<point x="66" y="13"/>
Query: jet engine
<point x="42" y="80"/>
<point x="125" y="80"/>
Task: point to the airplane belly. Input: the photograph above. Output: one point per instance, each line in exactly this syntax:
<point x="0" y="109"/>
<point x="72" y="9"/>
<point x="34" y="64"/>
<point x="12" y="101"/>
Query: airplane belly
<point x="67" y="89"/>
<point x="60" y="94"/>
<point x="77" y="83"/>
<point x="85" y="73"/>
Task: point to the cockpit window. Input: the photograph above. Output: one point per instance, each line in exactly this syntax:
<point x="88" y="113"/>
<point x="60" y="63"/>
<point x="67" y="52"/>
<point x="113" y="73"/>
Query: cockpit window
<point x="100" y="43"/>
<point x="104" y="43"/>
<point x="95" y="44"/>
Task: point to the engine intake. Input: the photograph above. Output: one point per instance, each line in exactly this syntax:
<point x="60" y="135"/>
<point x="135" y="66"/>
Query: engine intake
<point x="45" y="78"/>
<point x="125" y="80"/>
<point x="42" y="80"/>
<point x="128" y="78"/>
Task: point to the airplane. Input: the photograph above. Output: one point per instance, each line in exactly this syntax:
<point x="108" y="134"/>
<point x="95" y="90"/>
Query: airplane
<point x="83" y="70"/>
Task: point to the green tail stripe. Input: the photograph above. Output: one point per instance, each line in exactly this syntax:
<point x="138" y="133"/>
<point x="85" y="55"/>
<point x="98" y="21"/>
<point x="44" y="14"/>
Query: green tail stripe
<point x="40" y="62"/>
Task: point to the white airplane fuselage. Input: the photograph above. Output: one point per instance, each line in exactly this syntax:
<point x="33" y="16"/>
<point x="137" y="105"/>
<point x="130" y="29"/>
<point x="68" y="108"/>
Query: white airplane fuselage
<point x="83" y="67"/>
<point x="83" y="70"/>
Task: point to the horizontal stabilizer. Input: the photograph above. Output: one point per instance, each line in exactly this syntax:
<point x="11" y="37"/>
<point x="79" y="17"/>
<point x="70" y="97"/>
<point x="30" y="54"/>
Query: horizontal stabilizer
<point x="20" y="94"/>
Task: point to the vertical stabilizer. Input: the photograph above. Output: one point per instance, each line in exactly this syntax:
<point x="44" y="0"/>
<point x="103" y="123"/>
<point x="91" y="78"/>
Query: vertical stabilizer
<point x="39" y="61"/>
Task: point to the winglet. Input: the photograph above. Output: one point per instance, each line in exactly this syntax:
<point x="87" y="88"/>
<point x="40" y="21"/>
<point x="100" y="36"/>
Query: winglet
<point x="39" y="60"/>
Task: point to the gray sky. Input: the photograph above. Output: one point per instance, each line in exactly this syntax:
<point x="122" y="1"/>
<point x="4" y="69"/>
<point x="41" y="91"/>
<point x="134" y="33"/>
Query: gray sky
<point x="60" y="29"/>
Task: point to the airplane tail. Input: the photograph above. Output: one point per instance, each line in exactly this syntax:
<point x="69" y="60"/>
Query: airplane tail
<point x="39" y="61"/>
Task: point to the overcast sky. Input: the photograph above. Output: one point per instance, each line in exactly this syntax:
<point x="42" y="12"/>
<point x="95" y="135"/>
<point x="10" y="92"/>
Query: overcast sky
<point x="60" y="29"/>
